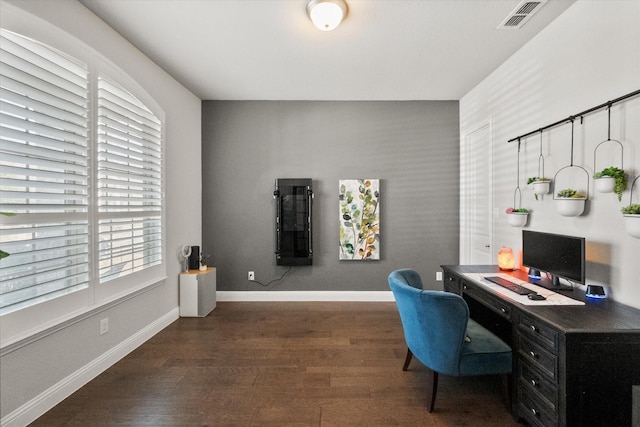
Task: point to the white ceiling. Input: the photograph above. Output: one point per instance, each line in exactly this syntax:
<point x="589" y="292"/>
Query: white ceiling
<point x="269" y="50"/>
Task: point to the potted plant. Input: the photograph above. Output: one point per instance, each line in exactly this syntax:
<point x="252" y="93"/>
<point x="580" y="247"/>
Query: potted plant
<point x="631" y="215"/>
<point x="517" y="217"/>
<point x="611" y="179"/>
<point x="203" y="261"/>
<point x="570" y="202"/>
<point x="540" y="185"/>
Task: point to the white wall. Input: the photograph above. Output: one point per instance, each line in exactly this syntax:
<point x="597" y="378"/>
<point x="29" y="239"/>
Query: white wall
<point x="36" y="374"/>
<point x="586" y="57"/>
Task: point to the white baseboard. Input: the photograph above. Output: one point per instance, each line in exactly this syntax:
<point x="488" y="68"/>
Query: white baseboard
<point x="55" y="394"/>
<point x="356" y="296"/>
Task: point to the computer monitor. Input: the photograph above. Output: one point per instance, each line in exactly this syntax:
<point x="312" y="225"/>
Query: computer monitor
<point x="559" y="255"/>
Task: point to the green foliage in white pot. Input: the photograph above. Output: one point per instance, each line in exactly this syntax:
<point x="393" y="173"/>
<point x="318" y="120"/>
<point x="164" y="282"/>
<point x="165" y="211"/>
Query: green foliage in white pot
<point x="631" y="209"/>
<point x="618" y="175"/>
<point x="569" y="193"/>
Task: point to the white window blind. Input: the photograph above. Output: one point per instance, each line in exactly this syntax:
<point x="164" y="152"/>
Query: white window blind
<point x="43" y="172"/>
<point x="129" y="183"/>
<point x="86" y="187"/>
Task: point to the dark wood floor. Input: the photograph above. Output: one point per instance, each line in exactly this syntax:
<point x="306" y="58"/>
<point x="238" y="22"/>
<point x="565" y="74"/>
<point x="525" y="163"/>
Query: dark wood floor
<point x="278" y="364"/>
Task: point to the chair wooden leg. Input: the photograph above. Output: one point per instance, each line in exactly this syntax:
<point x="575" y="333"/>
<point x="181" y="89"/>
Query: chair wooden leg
<point x="407" y="360"/>
<point x="432" y="388"/>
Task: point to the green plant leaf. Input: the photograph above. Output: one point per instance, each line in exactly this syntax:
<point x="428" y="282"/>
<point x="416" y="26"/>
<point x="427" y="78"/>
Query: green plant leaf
<point x="631" y="209"/>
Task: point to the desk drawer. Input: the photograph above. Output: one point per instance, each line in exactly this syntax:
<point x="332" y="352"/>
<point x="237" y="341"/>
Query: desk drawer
<point x="534" y="353"/>
<point x="538" y="331"/>
<point x="491" y="302"/>
<point x="452" y="284"/>
<point x="536" y="412"/>
<point x="535" y="382"/>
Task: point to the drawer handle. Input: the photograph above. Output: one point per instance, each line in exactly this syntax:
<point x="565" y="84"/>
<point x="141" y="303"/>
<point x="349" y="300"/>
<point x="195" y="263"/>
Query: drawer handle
<point x="464" y="286"/>
<point x="534" y="382"/>
<point x="503" y="310"/>
<point x="533" y="328"/>
<point x="535" y="412"/>
<point x="533" y="354"/>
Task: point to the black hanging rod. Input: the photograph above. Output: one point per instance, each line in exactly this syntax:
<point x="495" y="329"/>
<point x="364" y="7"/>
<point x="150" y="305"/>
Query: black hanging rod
<point x="581" y="114"/>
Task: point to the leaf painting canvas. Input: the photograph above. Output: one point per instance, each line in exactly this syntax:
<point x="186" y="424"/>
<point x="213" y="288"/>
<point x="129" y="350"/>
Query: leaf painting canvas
<point x="359" y="219"/>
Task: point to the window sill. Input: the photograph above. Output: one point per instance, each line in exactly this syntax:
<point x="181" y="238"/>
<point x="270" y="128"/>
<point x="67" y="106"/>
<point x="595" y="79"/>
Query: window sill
<point x="17" y="342"/>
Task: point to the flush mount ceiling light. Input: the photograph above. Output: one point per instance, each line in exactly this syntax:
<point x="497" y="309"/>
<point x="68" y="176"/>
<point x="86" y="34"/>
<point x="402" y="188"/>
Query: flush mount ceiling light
<point x="326" y="14"/>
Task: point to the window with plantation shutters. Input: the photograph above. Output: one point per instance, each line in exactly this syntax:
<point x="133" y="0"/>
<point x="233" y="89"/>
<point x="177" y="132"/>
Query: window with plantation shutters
<point x="43" y="172"/>
<point x="129" y="183"/>
<point x="84" y="188"/>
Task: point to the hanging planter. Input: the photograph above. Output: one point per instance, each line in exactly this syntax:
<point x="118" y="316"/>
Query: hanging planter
<point x="517" y="217"/>
<point x="611" y="179"/>
<point x="570" y="202"/>
<point x="541" y="186"/>
<point x="604" y="184"/>
<point x="631" y="215"/>
<point x="632" y="222"/>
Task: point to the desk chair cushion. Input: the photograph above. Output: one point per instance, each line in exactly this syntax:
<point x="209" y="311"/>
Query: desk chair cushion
<point x="485" y="353"/>
<point x="435" y="326"/>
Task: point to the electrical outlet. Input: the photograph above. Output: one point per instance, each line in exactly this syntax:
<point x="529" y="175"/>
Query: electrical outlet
<point x="252" y="275"/>
<point x="438" y="276"/>
<point x="104" y="326"/>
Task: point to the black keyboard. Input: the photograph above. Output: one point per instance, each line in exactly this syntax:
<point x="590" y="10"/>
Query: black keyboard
<point x="520" y="290"/>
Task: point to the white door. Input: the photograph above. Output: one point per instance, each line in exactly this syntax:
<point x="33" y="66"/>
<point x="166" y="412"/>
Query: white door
<point x="478" y="196"/>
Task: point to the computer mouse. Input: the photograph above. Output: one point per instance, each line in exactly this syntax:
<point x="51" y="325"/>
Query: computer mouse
<point x="536" y="297"/>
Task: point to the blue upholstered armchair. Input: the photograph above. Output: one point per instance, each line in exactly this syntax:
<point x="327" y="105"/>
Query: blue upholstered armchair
<point x="440" y="334"/>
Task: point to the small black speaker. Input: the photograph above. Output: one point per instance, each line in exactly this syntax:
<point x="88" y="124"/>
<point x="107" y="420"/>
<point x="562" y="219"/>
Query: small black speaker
<point x="194" y="258"/>
<point x="595" y="291"/>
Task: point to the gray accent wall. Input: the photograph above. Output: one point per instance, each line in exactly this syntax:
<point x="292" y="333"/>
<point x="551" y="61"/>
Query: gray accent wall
<point x="411" y="146"/>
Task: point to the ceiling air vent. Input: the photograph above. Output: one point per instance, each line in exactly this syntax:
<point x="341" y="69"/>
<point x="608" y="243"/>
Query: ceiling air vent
<point x="521" y="14"/>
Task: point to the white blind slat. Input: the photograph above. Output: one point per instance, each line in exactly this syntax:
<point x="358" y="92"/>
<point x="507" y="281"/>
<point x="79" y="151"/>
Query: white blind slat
<point x="43" y="70"/>
<point x="33" y="126"/>
<point x="112" y="182"/>
<point x="42" y="91"/>
<point x="54" y="56"/>
<point x="69" y="168"/>
<point x="32" y="177"/>
<point x="9" y="184"/>
<point x="71" y="153"/>
<point x="115" y="111"/>
<point x="135" y="130"/>
<point x="36" y="107"/>
<point x="45" y="119"/>
<point x="128" y="150"/>
<point x="123" y="98"/>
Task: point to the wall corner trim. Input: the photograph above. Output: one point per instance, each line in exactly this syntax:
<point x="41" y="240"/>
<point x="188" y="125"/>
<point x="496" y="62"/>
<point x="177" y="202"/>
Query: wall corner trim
<point x="55" y="394"/>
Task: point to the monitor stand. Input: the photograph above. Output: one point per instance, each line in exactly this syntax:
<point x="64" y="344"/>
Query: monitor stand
<point x="551" y="284"/>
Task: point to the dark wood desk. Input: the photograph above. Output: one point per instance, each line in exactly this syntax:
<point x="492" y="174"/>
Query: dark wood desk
<point x="573" y="365"/>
